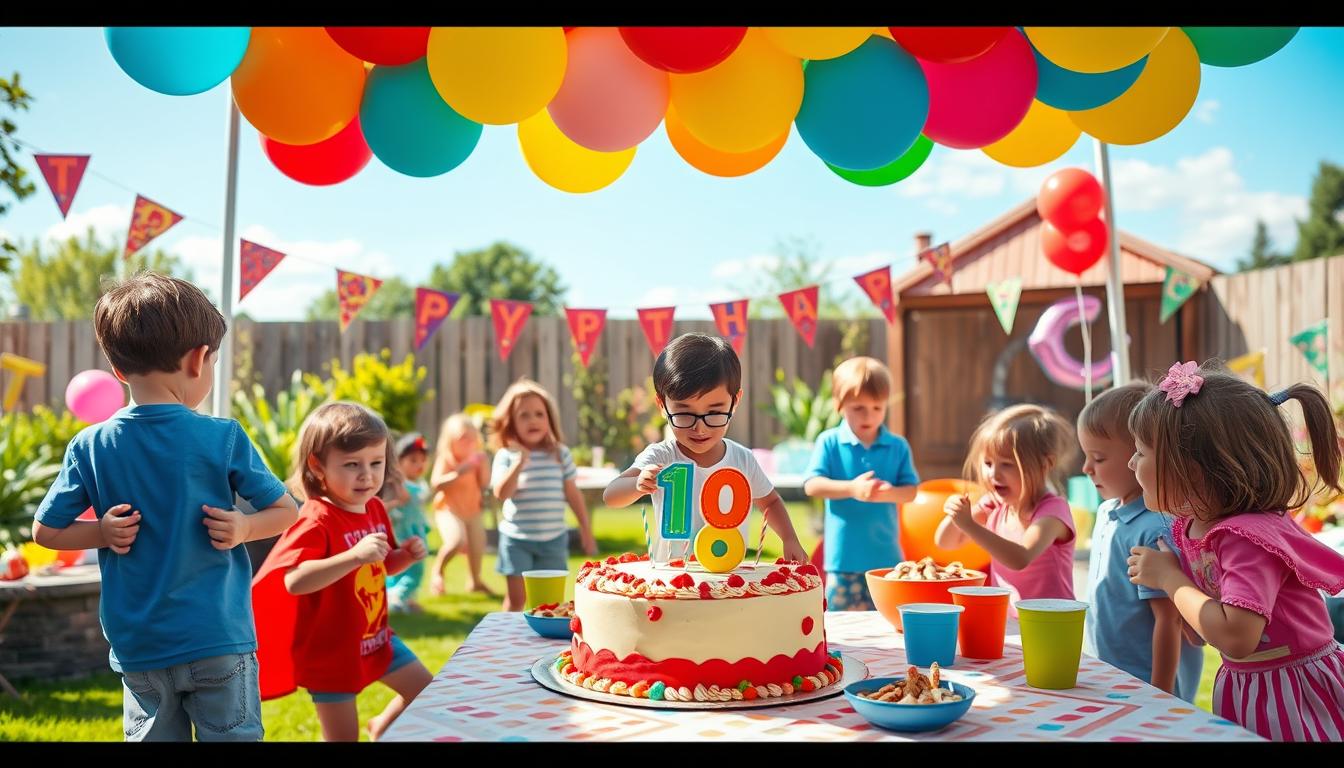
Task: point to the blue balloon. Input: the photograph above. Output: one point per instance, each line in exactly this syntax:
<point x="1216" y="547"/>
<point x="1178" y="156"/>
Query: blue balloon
<point x="1074" y="91"/>
<point x="178" y="61"/>
<point x="409" y="126"/>
<point x="865" y="109"/>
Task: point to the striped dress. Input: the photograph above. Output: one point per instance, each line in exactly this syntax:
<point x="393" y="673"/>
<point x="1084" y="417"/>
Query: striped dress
<point x="1292" y="687"/>
<point x="536" y="510"/>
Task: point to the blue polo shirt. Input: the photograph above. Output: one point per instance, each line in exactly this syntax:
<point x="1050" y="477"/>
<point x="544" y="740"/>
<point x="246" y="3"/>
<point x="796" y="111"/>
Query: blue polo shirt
<point x="1119" y="624"/>
<point x="861" y="535"/>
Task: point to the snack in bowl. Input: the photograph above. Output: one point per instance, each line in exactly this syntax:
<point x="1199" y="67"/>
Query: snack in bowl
<point x="927" y="570"/>
<point x="914" y="689"/>
<point x="554" y="610"/>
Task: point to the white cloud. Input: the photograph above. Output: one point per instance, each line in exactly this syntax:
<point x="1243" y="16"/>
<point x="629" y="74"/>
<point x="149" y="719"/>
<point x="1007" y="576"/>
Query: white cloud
<point x="105" y="220"/>
<point x="1206" y="111"/>
<point x="734" y="269"/>
<point x="692" y="302"/>
<point x="950" y="174"/>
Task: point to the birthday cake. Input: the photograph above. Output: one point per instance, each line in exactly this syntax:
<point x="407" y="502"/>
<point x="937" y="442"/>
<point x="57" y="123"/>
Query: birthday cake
<point x="678" y="632"/>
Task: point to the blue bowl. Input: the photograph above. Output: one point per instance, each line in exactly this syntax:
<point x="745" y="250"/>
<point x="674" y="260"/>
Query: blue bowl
<point x="908" y="717"/>
<point x="557" y="628"/>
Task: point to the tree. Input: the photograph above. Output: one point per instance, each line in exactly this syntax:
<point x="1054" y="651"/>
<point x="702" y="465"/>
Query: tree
<point x="499" y="271"/>
<point x="395" y="298"/>
<point x="1322" y="234"/>
<point x="1261" y="256"/>
<point x="62" y="281"/>
<point x="12" y="175"/>
<point x="797" y="264"/>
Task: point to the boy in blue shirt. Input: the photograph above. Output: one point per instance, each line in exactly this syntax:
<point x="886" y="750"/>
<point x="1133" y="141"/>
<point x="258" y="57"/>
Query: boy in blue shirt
<point x="176" y="603"/>
<point x="863" y="471"/>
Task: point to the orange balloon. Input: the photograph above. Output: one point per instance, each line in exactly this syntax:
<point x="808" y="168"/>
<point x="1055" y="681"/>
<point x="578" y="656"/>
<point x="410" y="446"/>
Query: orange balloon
<point x="715" y="162"/>
<point x="920" y="518"/>
<point x="296" y="85"/>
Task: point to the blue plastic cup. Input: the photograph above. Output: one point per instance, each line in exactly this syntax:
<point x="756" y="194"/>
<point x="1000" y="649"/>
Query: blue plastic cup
<point x="931" y="633"/>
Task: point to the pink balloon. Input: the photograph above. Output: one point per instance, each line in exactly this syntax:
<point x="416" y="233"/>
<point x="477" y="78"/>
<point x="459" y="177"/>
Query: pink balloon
<point x="975" y="103"/>
<point x="95" y="395"/>
<point x="610" y="99"/>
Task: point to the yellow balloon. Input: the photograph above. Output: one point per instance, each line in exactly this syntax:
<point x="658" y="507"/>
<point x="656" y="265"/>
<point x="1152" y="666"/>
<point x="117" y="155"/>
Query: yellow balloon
<point x="712" y="161"/>
<point x="567" y="166"/>
<point x="817" y="42"/>
<point x="744" y="102"/>
<point x="883" y="32"/>
<point x="1157" y="102"/>
<point x="1095" y="49"/>
<point x="497" y="75"/>
<point x="1043" y="135"/>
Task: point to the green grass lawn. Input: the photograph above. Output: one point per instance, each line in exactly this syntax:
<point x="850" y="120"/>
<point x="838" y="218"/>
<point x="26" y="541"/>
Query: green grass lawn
<point x="90" y="709"/>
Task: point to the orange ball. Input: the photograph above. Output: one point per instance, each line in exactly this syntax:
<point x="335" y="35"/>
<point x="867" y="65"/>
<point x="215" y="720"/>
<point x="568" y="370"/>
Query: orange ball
<point x="919" y="520"/>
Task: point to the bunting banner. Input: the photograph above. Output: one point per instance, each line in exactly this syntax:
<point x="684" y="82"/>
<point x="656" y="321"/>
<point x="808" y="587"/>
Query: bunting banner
<point x="1252" y="364"/>
<point x="940" y="258"/>
<point x="148" y="221"/>
<point x="1311" y="342"/>
<point x="63" y="174"/>
<point x="353" y="291"/>
<point x="585" y="328"/>
<point x="1004" y="296"/>
<point x="801" y="307"/>
<point x="431" y="309"/>
<point x="1177" y="288"/>
<point x="657" y="325"/>
<point x="256" y="262"/>
<point x="731" y="319"/>
<point x="877" y="285"/>
<point x="509" y="317"/>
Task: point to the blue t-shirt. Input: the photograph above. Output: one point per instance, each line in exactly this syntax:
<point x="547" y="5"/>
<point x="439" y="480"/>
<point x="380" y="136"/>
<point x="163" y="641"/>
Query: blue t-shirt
<point x="173" y="598"/>
<point x="1119" y="625"/>
<point x="861" y="535"/>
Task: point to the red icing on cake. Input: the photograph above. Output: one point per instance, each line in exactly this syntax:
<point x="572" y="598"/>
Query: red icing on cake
<point x="655" y="613"/>
<point x="807" y="625"/>
<point x="684" y="673"/>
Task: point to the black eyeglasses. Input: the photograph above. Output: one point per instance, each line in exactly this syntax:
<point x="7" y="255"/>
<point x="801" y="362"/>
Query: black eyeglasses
<point x="686" y="419"/>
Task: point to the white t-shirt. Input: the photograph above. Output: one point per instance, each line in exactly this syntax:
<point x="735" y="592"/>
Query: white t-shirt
<point x="736" y="456"/>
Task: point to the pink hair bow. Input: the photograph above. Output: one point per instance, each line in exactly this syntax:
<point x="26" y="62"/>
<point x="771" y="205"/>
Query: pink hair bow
<point x="1181" y="381"/>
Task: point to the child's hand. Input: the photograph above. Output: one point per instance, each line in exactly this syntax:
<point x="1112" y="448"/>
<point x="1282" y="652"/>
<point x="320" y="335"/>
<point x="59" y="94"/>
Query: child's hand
<point x="119" y="530"/>
<point x="373" y="548"/>
<point x="470" y="462"/>
<point x="865" y="486"/>
<point x="1152" y="567"/>
<point x="228" y="527"/>
<point x="648" y="479"/>
<point x="589" y="543"/>
<point x="415" y="547"/>
<point x="794" y="551"/>
<point x="523" y="455"/>
<point x="959" y="509"/>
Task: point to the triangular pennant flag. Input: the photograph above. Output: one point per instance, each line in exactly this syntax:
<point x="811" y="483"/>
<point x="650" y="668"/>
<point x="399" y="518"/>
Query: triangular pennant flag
<point x="256" y="261"/>
<point x="431" y="308"/>
<point x="63" y="174"/>
<point x="877" y="284"/>
<point x="509" y="316"/>
<point x="657" y="325"/>
<point x="1004" y="296"/>
<point x="940" y="258"/>
<point x="585" y="328"/>
<point x="1311" y="342"/>
<point x="148" y="221"/>
<point x="1177" y="288"/>
<point x="1252" y="363"/>
<point x="731" y="319"/>
<point x="801" y="307"/>
<point x="353" y="291"/>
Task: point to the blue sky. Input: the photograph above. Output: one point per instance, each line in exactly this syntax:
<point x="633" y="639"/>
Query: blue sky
<point x="664" y="233"/>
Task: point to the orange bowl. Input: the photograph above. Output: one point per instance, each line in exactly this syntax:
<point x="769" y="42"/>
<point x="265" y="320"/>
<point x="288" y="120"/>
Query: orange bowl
<point x="890" y="595"/>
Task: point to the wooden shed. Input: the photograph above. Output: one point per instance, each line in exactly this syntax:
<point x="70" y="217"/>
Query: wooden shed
<point x="952" y="362"/>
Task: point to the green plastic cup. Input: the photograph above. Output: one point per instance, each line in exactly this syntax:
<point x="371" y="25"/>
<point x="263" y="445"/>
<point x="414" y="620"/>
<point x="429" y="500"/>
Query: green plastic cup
<point x="544" y="587"/>
<point x="1052" y="641"/>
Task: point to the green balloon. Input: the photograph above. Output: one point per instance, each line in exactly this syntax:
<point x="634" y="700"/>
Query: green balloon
<point x="1237" y="46"/>
<point x="892" y="172"/>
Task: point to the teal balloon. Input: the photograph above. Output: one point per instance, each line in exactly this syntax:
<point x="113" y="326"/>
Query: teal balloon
<point x="409" y="127"/>
<point x="865" y="109"/>
<point x="898" y="169"/>
<point x="1237" y="46"/>
<point x="1075" y="91"/>
<point x="178" y="61"/>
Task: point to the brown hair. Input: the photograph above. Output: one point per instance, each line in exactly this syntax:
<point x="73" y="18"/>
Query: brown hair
<point x="1228" y="450"/>
<point x="1107" y="416"/>
<point x="347" y="427"/>
<point x="503" y="428"/>
<point x="695" y="363"/>
<point x="453" y="427"/>
<point x="860" y="376"/>
<point x="149" y="321"/>
<point x="1041" y="442"/>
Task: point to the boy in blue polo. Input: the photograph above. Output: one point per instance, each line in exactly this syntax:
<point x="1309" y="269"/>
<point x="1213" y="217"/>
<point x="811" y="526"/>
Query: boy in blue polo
<point x="863" y="471"/>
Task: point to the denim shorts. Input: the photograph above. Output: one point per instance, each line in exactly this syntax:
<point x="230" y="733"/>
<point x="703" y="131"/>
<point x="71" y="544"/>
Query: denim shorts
<point x="518" y="555"/>
<point x="219" y="695"/>
<point x="848" y="592"/>
<point x="401" y="656"/>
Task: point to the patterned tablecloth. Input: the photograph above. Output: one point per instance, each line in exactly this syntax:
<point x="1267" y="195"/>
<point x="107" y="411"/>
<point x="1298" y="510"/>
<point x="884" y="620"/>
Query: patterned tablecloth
<point x="486" y="692"/>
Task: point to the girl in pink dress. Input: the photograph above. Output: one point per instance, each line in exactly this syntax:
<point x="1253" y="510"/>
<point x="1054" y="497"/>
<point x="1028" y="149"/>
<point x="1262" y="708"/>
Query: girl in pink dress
<point x="1215" y="452"/>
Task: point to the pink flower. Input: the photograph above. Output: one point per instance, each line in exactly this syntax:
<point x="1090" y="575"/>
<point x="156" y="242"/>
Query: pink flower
<point x="1181" y="380"/>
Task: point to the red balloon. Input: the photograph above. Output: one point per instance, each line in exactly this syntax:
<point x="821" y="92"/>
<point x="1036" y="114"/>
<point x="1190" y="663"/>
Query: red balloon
<point x="1070" y="198"/>
<point x="683" y="50"/>
<point x="947" y="45"/>
<point x="326" y="162"/>
<point x="1074" y="250"/>
<point x="390" y="46"/>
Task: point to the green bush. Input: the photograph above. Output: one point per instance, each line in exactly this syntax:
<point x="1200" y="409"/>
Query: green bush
<point x="31" y="447"/>
<point x="393" y="391"/>
<point x="274" y="428"/>
<point x="800" y="411"/>
<point x="623" y="426"/>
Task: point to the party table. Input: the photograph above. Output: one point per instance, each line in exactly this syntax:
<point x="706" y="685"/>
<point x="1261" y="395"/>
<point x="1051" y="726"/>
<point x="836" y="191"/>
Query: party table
<point x="485" y="692"/>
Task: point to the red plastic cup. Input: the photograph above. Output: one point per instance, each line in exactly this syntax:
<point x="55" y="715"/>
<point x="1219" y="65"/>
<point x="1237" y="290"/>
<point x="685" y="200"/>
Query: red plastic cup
<point x="981" y="631"/>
